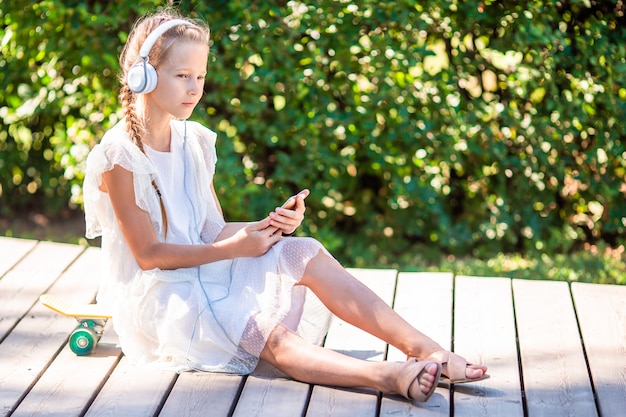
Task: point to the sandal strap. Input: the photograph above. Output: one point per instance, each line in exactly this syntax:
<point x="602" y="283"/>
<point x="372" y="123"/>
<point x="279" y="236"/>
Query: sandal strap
<point x="456" y="367"/>
<point x="409" y="374"/>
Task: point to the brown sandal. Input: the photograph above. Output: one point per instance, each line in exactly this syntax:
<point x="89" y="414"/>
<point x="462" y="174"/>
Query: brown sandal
<point x="455" y="367"/>
<point x="410" y="373"/>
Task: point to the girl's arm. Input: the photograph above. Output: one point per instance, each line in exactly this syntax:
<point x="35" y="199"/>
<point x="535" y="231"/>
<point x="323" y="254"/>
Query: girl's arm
<point x="252" y="239"/>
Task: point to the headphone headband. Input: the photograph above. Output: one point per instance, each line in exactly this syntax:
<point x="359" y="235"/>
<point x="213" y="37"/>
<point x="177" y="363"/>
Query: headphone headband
<point x="156" y="33"/>
<point x="142" y="77"/>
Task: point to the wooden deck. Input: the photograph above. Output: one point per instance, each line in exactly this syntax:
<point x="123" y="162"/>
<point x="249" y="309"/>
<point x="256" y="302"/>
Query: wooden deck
<point x="552" y="350"/>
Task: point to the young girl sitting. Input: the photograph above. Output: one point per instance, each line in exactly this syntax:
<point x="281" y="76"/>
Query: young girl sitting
<point x="187" y="288"/>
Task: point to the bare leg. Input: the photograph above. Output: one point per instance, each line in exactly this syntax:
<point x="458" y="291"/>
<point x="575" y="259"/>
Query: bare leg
<point x="314" y="364"/>
<point x="350" y="300"/>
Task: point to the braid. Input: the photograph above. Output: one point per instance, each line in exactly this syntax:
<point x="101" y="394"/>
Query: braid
<point x="134" y="124"/>
<point x="136" y="131"/>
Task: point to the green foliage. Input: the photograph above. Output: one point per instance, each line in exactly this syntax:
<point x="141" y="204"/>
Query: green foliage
<point x="600" y="265"/>
<point x="58" y="65"/>
<point x="465" y="127"/>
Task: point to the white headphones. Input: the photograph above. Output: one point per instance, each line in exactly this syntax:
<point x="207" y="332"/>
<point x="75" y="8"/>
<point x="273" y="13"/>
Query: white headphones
<point x="142" y="77"/>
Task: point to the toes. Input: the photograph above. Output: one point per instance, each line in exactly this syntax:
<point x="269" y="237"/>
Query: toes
<point x="420" y="379"/>
<point x="475" y="371"/>
<point x="425" y="387"/>
<point x="428" y="378"/>
<point x="472" y="373"/>
<point x="431" y="371"/>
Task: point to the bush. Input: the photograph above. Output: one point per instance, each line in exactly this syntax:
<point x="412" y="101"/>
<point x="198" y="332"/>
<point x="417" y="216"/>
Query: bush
<point x="59" y="65"/>
<point x="469" y="127"/>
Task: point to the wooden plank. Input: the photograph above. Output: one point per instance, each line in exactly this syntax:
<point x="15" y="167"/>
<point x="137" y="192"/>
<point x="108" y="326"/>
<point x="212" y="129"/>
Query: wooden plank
<point x="332" y="402"/>
<point x="351" y="341"/>
<point x="344" y="337"/>
<point x="26" y="352"/>
<point x="198" y="394"/>
<point x="601" y="313"/>
<point x="38" y="337"/>
<point x="269" y="393"/>
<point x="21" y="286"/>
<point x="133" y="391"/>
<point x="69" y="384"/>
<point x="40" y="376"/>
<point x="12" y="250"/>
<point x="555" y="375"/>
<point x="128" y="391"/>
<point x="425" y="301"/>
<point x="484" y="332"/>
<point x="55" y="393"/>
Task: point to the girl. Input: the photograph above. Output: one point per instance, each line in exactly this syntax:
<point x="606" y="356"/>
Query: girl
<point x="187" y="288"/>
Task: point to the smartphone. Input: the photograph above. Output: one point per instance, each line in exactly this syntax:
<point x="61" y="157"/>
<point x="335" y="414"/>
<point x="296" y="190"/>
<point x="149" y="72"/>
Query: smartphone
<point x="291" y="201"/>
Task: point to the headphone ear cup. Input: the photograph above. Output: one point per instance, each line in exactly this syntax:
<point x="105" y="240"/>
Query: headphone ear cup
<point x="141" y="78"/>
<point x="151" y="79"/>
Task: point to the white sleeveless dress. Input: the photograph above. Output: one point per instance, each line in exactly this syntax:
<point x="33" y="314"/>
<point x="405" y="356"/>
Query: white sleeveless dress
<point x="215" y="317"/>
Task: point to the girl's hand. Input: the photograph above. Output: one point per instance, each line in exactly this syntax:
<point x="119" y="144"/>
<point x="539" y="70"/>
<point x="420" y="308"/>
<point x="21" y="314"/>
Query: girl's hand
<point x="255" y="238"/>
<point x="287" y="220"/>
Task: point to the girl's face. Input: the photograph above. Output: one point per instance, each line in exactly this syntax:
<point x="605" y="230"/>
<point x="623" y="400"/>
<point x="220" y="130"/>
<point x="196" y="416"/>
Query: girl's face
<point x="180" y="81"/>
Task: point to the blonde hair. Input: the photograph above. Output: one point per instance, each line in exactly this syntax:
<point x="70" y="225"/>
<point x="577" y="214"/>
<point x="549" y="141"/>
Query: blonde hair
<point x="196" y="33"/>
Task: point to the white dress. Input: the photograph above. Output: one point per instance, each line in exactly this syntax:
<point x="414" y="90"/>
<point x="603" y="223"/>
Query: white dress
<point x="215" y="317"/>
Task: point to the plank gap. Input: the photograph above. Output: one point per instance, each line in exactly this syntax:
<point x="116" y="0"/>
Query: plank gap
<point x="98" y="389"/>
<point x="307" y="402"/>
<point x="233" y="406"/>
<point x="452" y="321"/>
<point x="519" y="354"/>
<point x="584" y="348"/>
<point x="166" y="395"/>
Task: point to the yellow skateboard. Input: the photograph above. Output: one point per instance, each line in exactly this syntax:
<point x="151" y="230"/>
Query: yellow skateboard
<point x="91" y="320"/>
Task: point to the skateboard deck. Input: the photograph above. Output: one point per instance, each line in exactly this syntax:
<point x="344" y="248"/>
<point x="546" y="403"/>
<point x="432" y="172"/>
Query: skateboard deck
<point x="87" y="311"/>
<point x="91" y="321"/>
